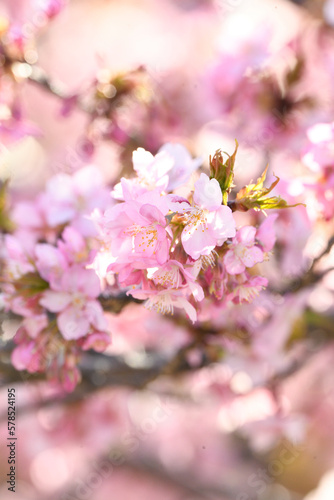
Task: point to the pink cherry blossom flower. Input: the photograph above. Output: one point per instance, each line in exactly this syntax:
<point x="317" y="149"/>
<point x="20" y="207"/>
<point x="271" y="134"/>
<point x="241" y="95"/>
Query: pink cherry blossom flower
<point x="26" y="214"/>
<point x="35" y="324"/>
<point x="70" y="378"/>
<point x="23" y="306"/>
<point x="319" y="157"/>
<point x="171" y="167"/>
<point x="126" y="274"/>
<point x="79" y="313"/>
<point x="18" y="253"/>
<point x="152" y="170"/>
<point x="66" y="199"/>
<point x="173" y="275"/>
<point x="183" y="164"/>
<point x="164" y="301"/>
<point x="323" y="193"/>
<point x="24" y="357"/>
<point x="208" y="223"/>
<point x="151" y="174"/>
<point x="74" y="247"/>
<point x="265" y="234"/>
<point x="51" y="264"/>
<point x="70" y="375"/>
<point x="319" y="152"/>
<point x="246" y="288"/>
<point x="243" y="251"/>
<point x="74" y="198"/>
<point x="137" y="232"/>
<point x="98" y="341"/>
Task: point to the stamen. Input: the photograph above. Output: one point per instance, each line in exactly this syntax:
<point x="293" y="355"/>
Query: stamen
<point x="209" y="260"/>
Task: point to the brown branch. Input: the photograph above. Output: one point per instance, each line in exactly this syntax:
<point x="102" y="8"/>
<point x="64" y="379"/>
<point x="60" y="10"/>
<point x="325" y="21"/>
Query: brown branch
<point x="188" y="484"/>
<point x="36" y="75"/>
<point x="311" y="277"/>
<point x="313" y="7"/>
<point x="116" y="303"/>
<point x="308" y="279"/>
<point x="326" y="251"/>
<point x="39" y="77"/>
<point x="98" y="372"/>
<point x="149" y="467"/>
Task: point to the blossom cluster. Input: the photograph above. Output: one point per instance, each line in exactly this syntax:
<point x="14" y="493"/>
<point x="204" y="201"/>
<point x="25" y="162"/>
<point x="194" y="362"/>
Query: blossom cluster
<point x="74" y="242"/>
<point x="17" y="52"/>
<point x="174" y="251"/>
<point x="47" y="280"/>
<point x="318" y="156"/>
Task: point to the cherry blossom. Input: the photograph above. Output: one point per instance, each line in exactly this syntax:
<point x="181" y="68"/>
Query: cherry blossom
<point x="137" y="232"/>
<point x="242" y="251"/>
<point x="171" y="167"/>
<point x="208" y="223"/>
<point x="79" y="312"/>
<point x="164" y="301"/>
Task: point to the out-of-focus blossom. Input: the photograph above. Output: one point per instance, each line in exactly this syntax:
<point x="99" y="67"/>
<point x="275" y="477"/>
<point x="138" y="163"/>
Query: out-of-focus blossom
<point x="78" y="312"/>
<point x="243" y="252"/>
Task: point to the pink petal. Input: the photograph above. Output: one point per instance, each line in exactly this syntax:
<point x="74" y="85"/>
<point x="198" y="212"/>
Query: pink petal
<point x="73" y="324"/>
<point x="152" y="214"/>
<point x="266" y="233"/>
<point x="232" y="263"/>
<point x="50" y="263"/>
<point x="162" y="251"/>
<point x="258" y="281"/>
<point x="246" y="235"/>
<point x="27" y="214"/>
<point x="70" y="378"/>
<point x="221" y="224"/>
<point x="141" y="159"/>
<point x="55" y="301"/>
<point x="83" y="280"/>
<point x="138" y="294"/>
<point x="160" y="167"/>
<point x="22" y="355"/>
<point x="73" y="239"/>
<point x="189" y="309"/>
<point x="91" y="285"/>
<point x="196" y="290"/>
<point x="207" y="193"/>
<point x="98" y="341"/>
<point x="149" y="166"/>
<point x="197" y="240"/>
<point x="154" y="198"/>
<point x="252" y="256"/>
<point x="95" y="315"/>
<point x="183" y="164"/>
<point x="35" y="324"/>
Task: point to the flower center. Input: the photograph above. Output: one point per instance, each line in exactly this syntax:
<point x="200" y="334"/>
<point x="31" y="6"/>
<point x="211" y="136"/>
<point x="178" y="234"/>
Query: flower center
<point x="168" y="277"/>
<point x="240" y="251"/>
<point x="146" y="236"/>
<point x="195" y="218"/>
<point x="161" y="303"/>
<point x="78" y="300"/>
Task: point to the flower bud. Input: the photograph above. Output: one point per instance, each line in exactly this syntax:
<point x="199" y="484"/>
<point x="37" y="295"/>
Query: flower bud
<point x="223" y="172"/>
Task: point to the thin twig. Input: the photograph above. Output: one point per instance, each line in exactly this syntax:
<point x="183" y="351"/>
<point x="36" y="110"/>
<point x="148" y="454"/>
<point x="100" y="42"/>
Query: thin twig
<point x="310" y="277"/>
